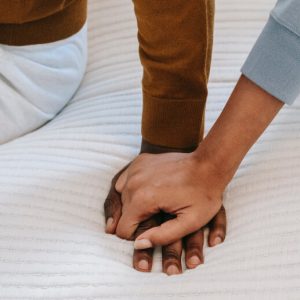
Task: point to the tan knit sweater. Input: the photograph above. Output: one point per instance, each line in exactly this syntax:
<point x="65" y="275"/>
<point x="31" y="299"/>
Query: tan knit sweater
<point x="175" y="38"/>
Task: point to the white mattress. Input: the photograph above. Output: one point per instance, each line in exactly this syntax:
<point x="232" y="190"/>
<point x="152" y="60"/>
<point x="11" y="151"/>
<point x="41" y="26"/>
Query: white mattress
<point x="53" y="183"/>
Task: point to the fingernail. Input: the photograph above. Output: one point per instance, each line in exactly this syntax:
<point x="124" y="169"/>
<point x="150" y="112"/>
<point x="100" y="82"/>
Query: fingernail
<point x="143" y="265"/>
<point x="217" y="241"/>
<point x="194" y="261"/>
<point x="142" y="244"/>
<point x="172" y="270"/>
<point x="109" y="224"/>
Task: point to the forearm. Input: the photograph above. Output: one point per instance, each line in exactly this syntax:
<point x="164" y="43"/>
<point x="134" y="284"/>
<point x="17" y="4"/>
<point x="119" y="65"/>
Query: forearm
<point x="245" y="117"/>
<point x="175" y="41"/>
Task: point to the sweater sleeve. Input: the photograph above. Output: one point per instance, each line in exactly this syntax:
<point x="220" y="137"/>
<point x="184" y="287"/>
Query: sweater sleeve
<point x="20" y="12"/>
<point x="274" y="62"/>
<point x="175" y="42"/>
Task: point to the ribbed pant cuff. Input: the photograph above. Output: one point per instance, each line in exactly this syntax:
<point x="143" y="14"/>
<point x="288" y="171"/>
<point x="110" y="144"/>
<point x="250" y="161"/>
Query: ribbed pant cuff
<point x="177" y="123"/>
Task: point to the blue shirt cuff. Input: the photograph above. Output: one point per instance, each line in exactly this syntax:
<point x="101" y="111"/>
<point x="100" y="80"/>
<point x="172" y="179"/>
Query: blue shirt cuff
<point x="274" y="62"/>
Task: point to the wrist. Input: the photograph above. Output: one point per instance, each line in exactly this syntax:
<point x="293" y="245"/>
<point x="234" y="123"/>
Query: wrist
<point x="220" y="165"/>
<point x="147" y="147"/>
<point x="244" y="118"/>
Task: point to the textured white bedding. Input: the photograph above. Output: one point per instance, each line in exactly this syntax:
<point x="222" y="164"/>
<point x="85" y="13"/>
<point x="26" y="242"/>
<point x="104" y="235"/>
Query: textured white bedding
<point x="53" y="183"/>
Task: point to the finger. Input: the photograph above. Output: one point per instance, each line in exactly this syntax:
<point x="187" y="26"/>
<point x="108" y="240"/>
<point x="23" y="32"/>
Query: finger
<point x="132" y="216"/>
<point x="126" y="227"/>
<point x="143" y="259"/>
<point x="113" y="206"/>
<point x="217" y="228"/>
<point x="168" y="232"/>
<point x="171" y="254"/>
<point x="112" y="209"/>
<point x="171" y="258"/>
<point x="193" y="244"/>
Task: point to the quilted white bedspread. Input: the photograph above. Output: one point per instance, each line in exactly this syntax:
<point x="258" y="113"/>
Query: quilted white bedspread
<point x="53" y="183"/>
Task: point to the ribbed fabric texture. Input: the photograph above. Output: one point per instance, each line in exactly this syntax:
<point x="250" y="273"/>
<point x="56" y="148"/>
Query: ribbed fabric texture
<point x="53" y="183"/>
<point x="274" y="62"/>
<point x="175" y="51"/>
<point x="32" y="22"/>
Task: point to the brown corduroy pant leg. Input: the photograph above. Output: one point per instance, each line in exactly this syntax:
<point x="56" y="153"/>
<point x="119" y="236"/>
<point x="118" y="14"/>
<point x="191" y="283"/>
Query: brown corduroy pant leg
<point x="175" y="39"/>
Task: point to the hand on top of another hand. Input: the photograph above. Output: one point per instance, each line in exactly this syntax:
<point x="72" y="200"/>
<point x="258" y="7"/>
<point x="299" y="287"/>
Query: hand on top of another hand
<point x="192" y="243"/>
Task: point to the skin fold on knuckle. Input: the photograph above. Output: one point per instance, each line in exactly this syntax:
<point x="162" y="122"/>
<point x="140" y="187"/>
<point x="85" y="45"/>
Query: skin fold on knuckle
<point x="192" y="245"/>
<point x="117" y="184"/>
<point x="140" y="255"/>
<point x="171" y="256"/>
<point x="194" y="242"/>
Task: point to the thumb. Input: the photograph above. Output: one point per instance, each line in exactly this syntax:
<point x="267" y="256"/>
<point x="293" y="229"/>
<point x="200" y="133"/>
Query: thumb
<point x="168" y="232"/>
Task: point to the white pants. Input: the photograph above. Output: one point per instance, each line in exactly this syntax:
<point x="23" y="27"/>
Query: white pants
<point x="37" y="81"/>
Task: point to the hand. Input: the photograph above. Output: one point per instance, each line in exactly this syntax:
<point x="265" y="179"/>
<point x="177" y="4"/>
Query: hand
<point x="190" y="186"/>
<point x="171" y="254"/>
<point x="179" y="184"/>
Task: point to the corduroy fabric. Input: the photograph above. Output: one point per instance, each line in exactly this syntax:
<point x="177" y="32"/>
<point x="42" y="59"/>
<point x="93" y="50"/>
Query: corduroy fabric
<point x="175" y="50"/>
<point x="36" y="22"/>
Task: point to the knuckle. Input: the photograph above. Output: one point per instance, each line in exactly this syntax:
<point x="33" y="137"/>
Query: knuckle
<point x="193" y="245"/>
<point x="194" y="252"/>
<point x="133" y="182"/>
<point x="196" y="236"/>
<point x="116" y="177"/>
<point x="143" y="254"/>
<point x="140" y="195"/>
<point x="121" y="233"/>
<point x="171" y="254"/>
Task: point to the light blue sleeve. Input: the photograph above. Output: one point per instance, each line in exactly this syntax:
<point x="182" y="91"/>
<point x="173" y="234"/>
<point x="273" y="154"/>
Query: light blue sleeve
<point x="274" y="62"/>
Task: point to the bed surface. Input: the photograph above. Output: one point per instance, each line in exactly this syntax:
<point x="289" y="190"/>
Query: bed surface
<point x="53" y="183"/>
